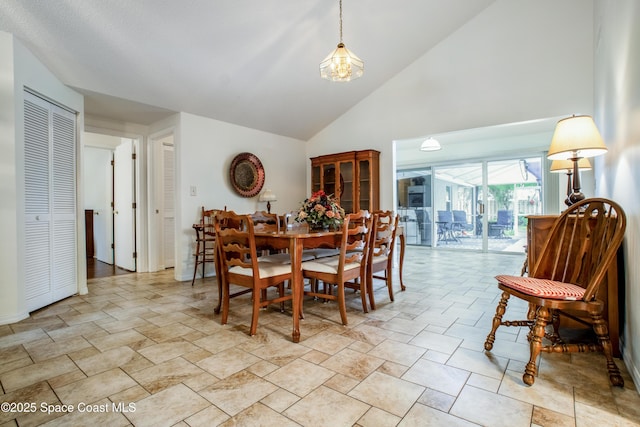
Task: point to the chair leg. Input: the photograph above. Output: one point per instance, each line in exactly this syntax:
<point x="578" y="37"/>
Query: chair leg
<point x="342" y="305"/>
<point x="542" y="319"/>
<point x="388" y="278"/>
<point x="225" y="303"/>
<point x="363" y="296"/>
<point x="369" y="287"/>
<point x="195" y="269"/>
<point x="217" y="264"/>
<point x="281" y="294"/>
<point x="217" y="309"/>
<point x="255" y="301"/>
<point x="602" y="331"/>
<point x="554" y="337"/>
<point x="497" y="320"/>
<point x="195" y="266"/>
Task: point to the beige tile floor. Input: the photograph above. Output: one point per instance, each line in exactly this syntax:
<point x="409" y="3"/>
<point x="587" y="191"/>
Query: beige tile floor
<point x="145" y="350"/>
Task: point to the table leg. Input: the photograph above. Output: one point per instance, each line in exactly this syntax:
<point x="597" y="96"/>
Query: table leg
<point x="295" y="249"/>
<point x="403" y="244"/>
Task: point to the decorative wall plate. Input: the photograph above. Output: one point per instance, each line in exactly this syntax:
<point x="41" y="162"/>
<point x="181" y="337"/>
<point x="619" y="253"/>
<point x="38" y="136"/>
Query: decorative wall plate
<point x="247" y="174"/>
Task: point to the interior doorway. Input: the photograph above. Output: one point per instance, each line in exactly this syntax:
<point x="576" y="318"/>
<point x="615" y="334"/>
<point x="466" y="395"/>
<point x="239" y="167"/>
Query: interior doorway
<point x="110" y="203"/>
<point x="162" y="203"/>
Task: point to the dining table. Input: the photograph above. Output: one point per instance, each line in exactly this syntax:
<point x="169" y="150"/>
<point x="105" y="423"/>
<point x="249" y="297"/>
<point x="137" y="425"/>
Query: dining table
<point x="295" y="240"/>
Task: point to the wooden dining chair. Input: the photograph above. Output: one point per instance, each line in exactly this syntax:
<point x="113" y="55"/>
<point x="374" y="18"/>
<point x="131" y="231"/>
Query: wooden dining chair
<point x="265" y="221"/>
<point x="240" y="266"/>
<point x="205" y="242"/>
<point x="380" y="261"/>
<point x="565" y="281"/>
<point x="270" y="221"/>
<point x="346" y="270"/>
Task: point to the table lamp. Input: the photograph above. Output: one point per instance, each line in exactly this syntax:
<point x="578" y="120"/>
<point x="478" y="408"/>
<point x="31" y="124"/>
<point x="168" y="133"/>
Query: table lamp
<point x="559" y="166"/>
<point x="268" y="197"/>
<point x="574" y="138"/>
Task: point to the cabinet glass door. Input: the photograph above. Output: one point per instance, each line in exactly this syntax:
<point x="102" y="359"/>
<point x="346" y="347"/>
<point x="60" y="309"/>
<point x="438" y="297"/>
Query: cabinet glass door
<point x="329" y="178"/>
<point x="364" y="197"/>
<point x="346" y="186"/>
<point x="316" y="184"/>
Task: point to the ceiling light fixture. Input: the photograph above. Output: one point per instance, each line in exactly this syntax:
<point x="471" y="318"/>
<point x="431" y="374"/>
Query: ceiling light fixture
<point x="341" y="65"/>
<point x="430" y="144"/>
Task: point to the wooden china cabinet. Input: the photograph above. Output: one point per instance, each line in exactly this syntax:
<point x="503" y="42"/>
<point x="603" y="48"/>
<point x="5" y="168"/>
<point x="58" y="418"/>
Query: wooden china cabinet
<point x="353" y="177"/>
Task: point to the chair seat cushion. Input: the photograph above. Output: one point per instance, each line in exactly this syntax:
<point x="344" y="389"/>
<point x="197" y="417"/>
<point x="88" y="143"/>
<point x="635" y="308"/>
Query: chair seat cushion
<point x="328" y="265"/>
<point x="322" y="252"/>
<point x="543" y="287"/>
<point x="283" y="258"/>
<point x="379" y="259"/>
<point x="265" y="269"/>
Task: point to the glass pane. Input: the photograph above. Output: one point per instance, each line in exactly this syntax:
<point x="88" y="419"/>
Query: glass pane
<point x="414" y="199"/>
<point x="456" y="207"/>
<point x="315" y="179"/>
<point x="329" y="178"/>
<point x="365" y="185"/>
<point x="346" y="186"/>
<point x="513" y="191"/>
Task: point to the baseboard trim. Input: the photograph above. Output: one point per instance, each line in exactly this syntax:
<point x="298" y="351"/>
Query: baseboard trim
<point x="6" y="320"/>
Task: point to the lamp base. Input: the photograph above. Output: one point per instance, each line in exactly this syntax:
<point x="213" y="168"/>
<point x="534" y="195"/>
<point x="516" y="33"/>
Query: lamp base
<point x="575" y="197"/>
<point x="268" y="207"/>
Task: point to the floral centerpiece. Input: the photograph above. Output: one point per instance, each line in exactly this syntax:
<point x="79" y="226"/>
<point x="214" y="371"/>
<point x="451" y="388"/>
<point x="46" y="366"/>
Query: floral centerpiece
<point x="321" y="211"/>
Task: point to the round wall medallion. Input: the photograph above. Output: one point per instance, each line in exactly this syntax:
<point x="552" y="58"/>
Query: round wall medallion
<point x="247" y="174"/>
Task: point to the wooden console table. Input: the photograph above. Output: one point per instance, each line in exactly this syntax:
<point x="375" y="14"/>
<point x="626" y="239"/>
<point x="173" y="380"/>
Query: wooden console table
<point x="538" y="227"/>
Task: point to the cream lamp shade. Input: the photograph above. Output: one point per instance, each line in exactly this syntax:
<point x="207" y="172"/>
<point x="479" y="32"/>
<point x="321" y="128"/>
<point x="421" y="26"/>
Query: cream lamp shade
<point x="576" y="136"/>
<point x="559" y="166"/>
<point x="268" y="196"/>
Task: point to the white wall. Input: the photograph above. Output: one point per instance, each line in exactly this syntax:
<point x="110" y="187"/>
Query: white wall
<point x="204" y="151"/>
<point x="518" y="60"/>
<point x="20" y="69"/>
<point x="12" y="303"/>
<point x="617" y="101"/>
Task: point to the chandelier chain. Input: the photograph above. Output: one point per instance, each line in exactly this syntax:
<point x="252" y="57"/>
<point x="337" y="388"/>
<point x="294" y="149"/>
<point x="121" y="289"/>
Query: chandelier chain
<point x="340" y="21"/>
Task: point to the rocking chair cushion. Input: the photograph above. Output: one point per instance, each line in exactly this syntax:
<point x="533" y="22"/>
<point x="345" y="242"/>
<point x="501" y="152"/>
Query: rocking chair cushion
<point x="542" y="287"/>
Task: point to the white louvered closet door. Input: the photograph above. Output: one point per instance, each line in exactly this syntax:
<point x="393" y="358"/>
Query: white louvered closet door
<point x="50" y="202"/>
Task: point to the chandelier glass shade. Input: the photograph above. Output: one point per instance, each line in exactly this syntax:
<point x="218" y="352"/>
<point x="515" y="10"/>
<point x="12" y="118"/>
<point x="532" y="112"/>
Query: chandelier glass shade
<point x="341" y="65"/>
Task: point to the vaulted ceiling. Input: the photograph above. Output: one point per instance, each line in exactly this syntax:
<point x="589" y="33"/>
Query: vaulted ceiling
<point x="253" y="63"/>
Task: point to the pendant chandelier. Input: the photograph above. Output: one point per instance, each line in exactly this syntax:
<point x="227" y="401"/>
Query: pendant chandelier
<point x="341" y="65"/>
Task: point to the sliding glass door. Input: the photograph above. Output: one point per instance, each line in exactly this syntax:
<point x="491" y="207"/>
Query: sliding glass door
<point x="455" y="206"/>
<point x="514" y="190"/>
<point x="476" y="205"/>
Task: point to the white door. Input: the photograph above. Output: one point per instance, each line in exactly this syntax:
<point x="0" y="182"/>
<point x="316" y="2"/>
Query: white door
<point x="168" y="203"/>
<point x="124" y="205"/>
<point x="50" y="202"/>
